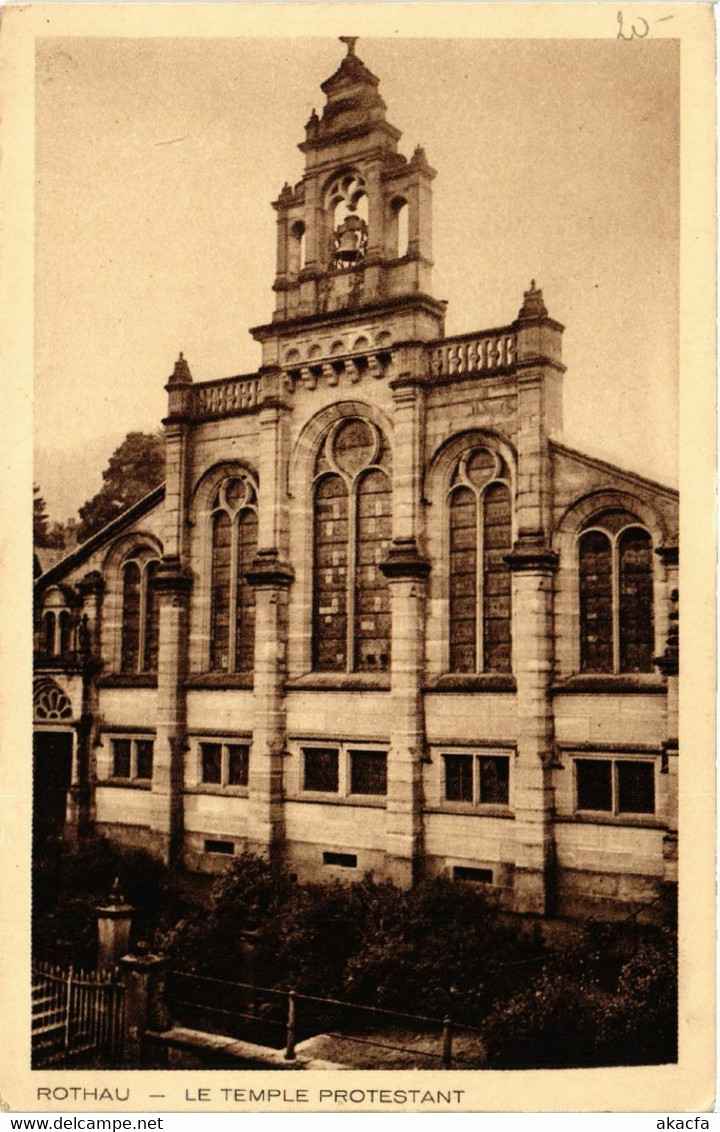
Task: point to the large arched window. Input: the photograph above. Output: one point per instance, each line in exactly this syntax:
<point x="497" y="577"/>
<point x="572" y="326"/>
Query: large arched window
<point x="234" y="546"/>
<point x="615" y="559"/>
<point x="352" y="528"/>
<point x="480" y="535"/>
<point x="139" y="634"/>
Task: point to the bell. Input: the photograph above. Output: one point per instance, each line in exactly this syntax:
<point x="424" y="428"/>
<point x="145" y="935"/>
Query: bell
<point x="348" y="237"/>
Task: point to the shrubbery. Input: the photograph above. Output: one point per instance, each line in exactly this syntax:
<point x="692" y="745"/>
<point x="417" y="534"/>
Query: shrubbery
<point x="598" y="995"/>
<point x="69" y="882"/>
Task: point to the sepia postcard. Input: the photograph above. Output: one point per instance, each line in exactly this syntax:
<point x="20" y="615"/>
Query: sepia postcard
<point x="359" y="373"/>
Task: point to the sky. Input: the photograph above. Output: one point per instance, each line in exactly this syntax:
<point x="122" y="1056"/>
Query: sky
<point x="157" y="159"/>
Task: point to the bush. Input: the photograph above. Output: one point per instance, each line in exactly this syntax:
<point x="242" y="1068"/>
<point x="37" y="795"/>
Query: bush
<point x="70" y="881"/>
<point x="596" y="1009"/>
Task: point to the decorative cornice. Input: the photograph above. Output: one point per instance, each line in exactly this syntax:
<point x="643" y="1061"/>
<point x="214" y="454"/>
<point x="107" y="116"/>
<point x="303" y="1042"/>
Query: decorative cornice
<point x="670" y="555"/>
<point x="172" y="577"/>
<point x="404" y="561"/>
<point x="92" y="583"/>
<point x="533" y="554"/>
<point x="269" y="572"/>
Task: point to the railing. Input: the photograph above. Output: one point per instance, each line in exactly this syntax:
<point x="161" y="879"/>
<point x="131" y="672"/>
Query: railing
<point x="280" y="1019"/>
<point x="228" y="397"/>
<point x="77" y="1016"/>
<point x="474" y="354"/>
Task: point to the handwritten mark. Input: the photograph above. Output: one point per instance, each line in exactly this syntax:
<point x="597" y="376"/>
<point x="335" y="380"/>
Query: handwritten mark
<point x="171" y="141"/>
<point x="634" y="33"/>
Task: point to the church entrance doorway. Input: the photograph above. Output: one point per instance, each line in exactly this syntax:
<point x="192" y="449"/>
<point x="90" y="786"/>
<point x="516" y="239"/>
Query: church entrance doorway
<point x="52" y="763"/>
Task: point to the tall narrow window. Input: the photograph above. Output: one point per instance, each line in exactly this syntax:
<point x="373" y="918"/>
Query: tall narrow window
<point x="139" y="637"/>
<point x="352" y="527"/>
<point x="596" y="620"/>
<point x="615" y="560"/>
<point x="480" y="535"/>
<point x="131" y="617"/>
<point x="234" y="546"/>
<point x="49" y="634"/>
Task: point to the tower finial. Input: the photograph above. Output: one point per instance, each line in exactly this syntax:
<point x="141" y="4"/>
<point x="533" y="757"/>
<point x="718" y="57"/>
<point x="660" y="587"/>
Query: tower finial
<point x="350" y="41"/>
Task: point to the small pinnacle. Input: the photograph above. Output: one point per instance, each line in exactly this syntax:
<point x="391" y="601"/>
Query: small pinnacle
<point x="349" y="41"/>
<point x="532" y="288"/>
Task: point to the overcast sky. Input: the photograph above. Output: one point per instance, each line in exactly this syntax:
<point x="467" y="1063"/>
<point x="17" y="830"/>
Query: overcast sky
<point x="157" y="161"/>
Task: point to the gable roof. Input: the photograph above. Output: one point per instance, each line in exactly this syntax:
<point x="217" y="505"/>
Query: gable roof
<point x="114" y="527"/>
<point x="615" y="469"/>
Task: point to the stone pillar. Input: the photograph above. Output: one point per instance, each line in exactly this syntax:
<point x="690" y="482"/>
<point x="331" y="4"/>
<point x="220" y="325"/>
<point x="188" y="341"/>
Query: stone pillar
<point x="539" y="413"/>
<point x="172" y="584"/>
<point x="114" y="923"/>
<point x="271" y="578"/>
<point x="143" y="977"/>
<point x="668" y="664"/>
<point x="406" y="570"/>
<point x="533" y="566"/>
<point x="81" y="800"/>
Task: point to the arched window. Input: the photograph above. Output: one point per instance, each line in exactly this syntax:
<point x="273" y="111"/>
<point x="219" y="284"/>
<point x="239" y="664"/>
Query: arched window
<point x="352" y="527"/>
<point x="480" y="535"/>
<point x="615" y="558"/>
<point x="139" y="636"/>
<point x="57" y="638"/>
<point x="234" y="546"/>
<point x="49" y="633"/>
<point x="398" y="227"/>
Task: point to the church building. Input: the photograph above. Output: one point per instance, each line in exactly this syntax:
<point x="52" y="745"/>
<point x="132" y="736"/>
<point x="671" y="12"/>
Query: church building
<point x="379" y="618"/>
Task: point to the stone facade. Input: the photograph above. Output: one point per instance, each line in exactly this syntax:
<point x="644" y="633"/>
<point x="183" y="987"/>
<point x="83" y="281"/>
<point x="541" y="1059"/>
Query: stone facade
<point x="379" y="617"/>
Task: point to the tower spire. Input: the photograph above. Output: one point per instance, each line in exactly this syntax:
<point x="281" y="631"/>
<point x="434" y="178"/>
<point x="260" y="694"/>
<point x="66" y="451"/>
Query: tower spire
<point x="350" y="41"/>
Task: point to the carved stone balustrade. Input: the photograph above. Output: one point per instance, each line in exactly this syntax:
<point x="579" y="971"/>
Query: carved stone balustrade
<point x="477" y="353"/>
<point x="232" y="396"/>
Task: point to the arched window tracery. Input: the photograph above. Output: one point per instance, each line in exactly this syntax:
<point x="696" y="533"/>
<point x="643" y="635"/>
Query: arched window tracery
<point x="352" y="528"/>
<point x="615" y="562"/>
<point x="140" y="621"/>
<point x="234" y="525"/>
<point x="480" y="535"/>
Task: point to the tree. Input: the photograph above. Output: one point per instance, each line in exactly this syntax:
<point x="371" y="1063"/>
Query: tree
<point x="40" y="518"/>
<point x="134" y="469"/>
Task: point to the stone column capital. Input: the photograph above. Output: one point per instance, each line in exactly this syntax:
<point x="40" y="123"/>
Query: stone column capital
<point x="532" y="554"/>
<point x="171" y="577"/>
<point x="269" y="572"/>
<point x="405" y="562"/>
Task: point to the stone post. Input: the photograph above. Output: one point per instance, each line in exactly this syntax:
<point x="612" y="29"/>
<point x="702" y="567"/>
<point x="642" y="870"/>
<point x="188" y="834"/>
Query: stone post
<point x="406" y="570"/>
<point x="172" y="584"/>
<point x="143" y="977"/>
<point x="539" y="413"/>
<point x="533" y="566"/>
<point x="271" y="578"/>
<point x="114" y="924"/>
<point x="81" y="800"/>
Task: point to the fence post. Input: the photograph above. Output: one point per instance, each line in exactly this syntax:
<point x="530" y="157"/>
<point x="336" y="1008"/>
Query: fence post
<point x="68" y="1009"/>
<point x="447" y="1042"/>
<point x="143" y="977"/>
<point x="114" y="923"/>
<point x="290" y="1028"/>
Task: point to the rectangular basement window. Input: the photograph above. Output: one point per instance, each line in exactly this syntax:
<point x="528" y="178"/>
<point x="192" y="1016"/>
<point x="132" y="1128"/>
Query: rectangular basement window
<point x="344" y="860"/>
<point x="475" y="876"/>
<point x="226" y="847"/>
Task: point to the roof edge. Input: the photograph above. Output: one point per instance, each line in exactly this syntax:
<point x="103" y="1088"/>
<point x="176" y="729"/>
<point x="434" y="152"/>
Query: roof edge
<point x="75" y="557"/>
<point x="597" y="462"/>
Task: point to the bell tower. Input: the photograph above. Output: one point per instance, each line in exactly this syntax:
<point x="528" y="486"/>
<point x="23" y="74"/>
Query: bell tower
<point x="356" y="232"/>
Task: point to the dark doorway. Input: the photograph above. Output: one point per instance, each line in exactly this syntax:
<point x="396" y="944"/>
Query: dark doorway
<point x="52" y="762"/>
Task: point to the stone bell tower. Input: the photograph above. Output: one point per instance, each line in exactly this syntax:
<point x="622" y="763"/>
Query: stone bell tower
<point x="356" y="232"/>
